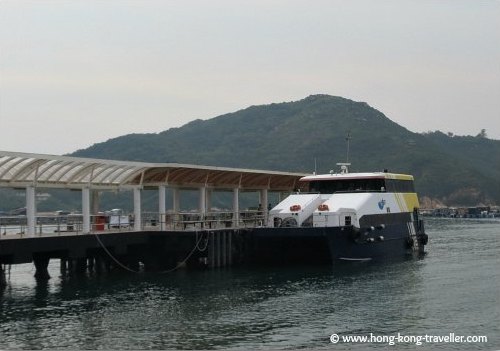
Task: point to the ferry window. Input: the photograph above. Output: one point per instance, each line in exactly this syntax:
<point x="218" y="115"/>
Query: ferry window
<point x="399" y="186"/>
<point x="347" y="220"/>
<point x="347" y="186"/>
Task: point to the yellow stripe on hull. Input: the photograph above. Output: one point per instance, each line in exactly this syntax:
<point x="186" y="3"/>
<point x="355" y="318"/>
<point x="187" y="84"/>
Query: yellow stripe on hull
<point x="398" y="176"/>
<point x="406" y="202"/>
<point x="411" y="201"/>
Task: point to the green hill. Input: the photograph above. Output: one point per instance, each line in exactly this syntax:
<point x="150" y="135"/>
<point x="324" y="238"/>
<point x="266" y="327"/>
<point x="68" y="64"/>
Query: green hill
<point x="290" y="136"/>
<point x="293" y="136"/>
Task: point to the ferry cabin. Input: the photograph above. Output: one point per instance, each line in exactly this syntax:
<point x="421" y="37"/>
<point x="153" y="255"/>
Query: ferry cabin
<point x="349" y="199"/>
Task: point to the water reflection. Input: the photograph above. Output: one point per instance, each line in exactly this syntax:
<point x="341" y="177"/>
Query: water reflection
<point x="251" y="308"/>
<point x="237" y="308"/>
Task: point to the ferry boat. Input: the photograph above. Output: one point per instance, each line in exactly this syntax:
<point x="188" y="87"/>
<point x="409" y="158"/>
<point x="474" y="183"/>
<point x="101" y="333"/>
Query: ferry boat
<point x="359" y="216"/>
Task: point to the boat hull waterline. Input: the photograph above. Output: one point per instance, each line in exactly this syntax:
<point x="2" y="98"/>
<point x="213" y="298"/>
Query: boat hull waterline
<point x="352" y="244"/>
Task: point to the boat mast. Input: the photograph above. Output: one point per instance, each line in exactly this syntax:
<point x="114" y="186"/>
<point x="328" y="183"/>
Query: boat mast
<point x="344" y="167"/>
<point x="348" y="139"/>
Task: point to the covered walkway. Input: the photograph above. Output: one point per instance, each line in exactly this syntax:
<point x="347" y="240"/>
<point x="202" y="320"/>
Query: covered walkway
<point x="91" y="176"/>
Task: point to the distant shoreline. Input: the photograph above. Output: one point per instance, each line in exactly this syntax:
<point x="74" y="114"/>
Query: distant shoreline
<point x="463" y="212"/>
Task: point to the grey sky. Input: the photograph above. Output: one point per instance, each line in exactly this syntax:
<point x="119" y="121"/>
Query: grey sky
<point x="73" y="73"/>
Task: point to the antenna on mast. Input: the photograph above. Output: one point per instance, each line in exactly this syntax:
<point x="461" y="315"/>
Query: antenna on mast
<point x="348" y="139"/>
<point x="344" y="167"/>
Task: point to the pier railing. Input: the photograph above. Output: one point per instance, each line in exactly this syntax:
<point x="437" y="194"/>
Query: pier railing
<point x="49" y="225"/>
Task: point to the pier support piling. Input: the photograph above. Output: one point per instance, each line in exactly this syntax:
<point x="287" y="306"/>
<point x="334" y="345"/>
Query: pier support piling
<point x="81" y="265"/>
<point x="211" y="251"/>
<point x="220" y="249"/>
<point x="217" y="250"/>
<point x="3" y="281"/>
<point x="224" y="248"/>
<point x="77" y="265"/>
<point x="230" y="248"/>
<point x="64" y="265"/>
<point x="90" y="263"/>
<point x="100" y="265"/>
<point x="41" y="266"/>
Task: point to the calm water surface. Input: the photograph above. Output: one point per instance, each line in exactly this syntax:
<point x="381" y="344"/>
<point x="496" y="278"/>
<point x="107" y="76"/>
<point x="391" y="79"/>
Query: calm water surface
<point x="455" y="288"/>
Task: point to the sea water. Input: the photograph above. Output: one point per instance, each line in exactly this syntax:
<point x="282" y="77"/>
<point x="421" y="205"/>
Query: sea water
<point x="453" y="290"/>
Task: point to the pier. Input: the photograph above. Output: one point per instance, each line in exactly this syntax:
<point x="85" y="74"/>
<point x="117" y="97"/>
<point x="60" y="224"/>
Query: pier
<point x="160" y="241"/>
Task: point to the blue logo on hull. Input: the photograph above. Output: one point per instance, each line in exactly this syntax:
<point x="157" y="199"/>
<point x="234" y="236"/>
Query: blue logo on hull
<point x="381" y="204"/>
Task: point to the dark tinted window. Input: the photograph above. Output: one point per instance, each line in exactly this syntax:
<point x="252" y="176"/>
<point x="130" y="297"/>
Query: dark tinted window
<point x="399" y="186"/>
<point x="361" y="185"/>
<point x="347" y="220"/>
<point x="346" y="186"/>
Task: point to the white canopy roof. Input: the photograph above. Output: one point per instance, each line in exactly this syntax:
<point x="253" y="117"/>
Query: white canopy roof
<point x="49" y="171"/>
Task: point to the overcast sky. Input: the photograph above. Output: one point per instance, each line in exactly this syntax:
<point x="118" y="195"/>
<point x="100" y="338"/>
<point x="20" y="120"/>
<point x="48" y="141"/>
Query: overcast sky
<point x="74" y="73"/>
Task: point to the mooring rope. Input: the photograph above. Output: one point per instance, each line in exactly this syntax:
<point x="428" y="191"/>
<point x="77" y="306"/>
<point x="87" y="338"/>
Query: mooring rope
<point x="206" y="242"/>
<point x="180" y="264"/>
<point x="113" y="257"/>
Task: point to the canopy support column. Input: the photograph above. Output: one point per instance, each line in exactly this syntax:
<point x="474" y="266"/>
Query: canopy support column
<point x="94" y="200"/>
<point x="162" y="209"/>
<point x="264" y="201"/>
<point x="31" y="210"/>
<point x="236" y="207"/>
<point x="137" y="210"/>
<point x="176" y="200"/>
<point x="86" y="210"/>
<point x="202" y="204"/>
<point x="208" y="200"/>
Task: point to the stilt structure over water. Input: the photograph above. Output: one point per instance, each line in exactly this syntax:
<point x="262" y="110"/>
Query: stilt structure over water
<point x="163" y="240"/>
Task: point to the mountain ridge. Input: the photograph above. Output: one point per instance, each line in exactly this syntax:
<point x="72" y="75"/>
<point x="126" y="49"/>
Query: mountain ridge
<point x="290" y="136"/>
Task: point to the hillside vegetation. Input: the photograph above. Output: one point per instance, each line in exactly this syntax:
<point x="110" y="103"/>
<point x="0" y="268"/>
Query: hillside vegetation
<point x="290" y="136"/>
<point x="294" y="136"/>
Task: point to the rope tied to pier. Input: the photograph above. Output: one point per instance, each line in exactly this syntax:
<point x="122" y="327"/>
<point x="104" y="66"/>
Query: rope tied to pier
<point x="180" y="264"/>
<point x="113" y="257"/>
<point x="206" y="242"/>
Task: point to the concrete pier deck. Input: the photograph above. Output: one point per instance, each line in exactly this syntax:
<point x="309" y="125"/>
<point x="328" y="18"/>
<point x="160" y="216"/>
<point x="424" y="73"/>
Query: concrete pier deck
<point x="163" y="240"/>
<point x="152" y="249"/>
